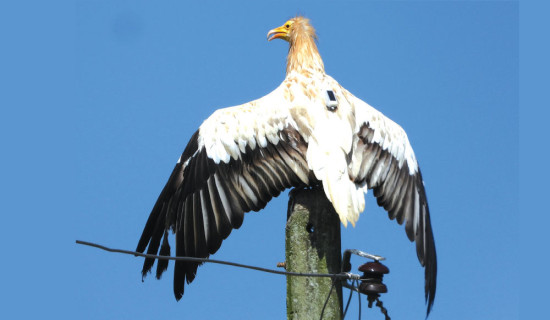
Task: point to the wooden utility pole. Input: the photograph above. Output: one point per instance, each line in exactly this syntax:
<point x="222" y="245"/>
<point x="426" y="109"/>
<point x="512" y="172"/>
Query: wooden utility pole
<point x="312" y="246"/>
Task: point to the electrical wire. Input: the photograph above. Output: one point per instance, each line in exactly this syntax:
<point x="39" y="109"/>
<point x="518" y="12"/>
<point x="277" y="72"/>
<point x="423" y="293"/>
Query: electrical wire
<point x="349" y="300"/>
<point x="328" y="297"/>
<point x="334" y="276"/>
<point x="343" y="275"/>
<point x="384" y="311"/>
<point x="359" y="298"/>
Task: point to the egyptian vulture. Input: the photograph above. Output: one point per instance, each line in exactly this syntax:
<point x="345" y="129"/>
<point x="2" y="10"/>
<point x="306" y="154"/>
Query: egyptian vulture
<point x="308" y="131"/>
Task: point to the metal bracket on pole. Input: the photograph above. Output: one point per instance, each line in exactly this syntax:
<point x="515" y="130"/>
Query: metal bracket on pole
<point x="346" y="265"/>
<point x="373" y="273"/>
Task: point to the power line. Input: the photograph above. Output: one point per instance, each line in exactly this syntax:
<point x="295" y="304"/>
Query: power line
<point x="342" y="275"/>
<point x="335" y="276"/>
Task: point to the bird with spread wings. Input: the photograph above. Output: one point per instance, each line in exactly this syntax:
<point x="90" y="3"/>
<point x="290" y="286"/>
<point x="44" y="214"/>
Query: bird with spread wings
<point x="308" y="131"/>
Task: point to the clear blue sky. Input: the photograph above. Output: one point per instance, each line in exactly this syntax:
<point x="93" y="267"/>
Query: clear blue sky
<point x="142" y="78"/>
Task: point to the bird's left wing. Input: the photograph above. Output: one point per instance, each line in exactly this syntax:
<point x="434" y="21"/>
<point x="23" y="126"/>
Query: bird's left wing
<point x="236" y="162"/>
<point x="383" y="158"/>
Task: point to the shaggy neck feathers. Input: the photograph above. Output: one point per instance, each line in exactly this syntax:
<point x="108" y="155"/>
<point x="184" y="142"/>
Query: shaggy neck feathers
<point x="303" y="53"/>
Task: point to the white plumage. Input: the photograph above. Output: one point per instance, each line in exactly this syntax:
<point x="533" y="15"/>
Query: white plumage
<point x="242" y="156"/>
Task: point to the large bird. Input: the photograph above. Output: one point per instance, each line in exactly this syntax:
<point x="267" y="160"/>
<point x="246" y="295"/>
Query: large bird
<point x="308" y="131"/>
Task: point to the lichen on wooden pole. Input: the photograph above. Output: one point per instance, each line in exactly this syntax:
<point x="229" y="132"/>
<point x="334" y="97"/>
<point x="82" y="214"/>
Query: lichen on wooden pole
<point x="312" y="246"/>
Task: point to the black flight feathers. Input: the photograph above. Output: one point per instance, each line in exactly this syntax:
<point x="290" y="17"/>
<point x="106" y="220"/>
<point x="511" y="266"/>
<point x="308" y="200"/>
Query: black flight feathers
<point x="203" y="201"/>
<point x="403" y="196"/>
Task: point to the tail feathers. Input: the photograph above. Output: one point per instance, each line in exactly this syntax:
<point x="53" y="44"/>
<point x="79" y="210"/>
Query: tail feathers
<point x="331" y="167"/>
<point x="347" y="198"/>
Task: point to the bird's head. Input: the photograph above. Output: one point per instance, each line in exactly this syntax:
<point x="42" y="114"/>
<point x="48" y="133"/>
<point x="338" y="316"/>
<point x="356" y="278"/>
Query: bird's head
<point x="303" y="53"/>
<point x="292" y="30"/>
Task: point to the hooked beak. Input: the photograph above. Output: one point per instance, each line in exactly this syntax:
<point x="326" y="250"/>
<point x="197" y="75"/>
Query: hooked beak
<point x="280" y="32"/>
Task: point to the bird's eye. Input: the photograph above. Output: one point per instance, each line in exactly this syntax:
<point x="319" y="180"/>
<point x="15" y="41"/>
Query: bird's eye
<point x="287" y="26"/>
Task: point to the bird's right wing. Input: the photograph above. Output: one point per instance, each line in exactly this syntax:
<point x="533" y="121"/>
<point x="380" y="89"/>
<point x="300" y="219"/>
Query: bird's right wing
<point x="383" y="158"/>
<point x="236" y="162"/>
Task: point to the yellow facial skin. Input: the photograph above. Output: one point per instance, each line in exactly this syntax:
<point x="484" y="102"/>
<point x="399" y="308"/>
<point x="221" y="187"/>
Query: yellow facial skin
<point x="281" y="32"/>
